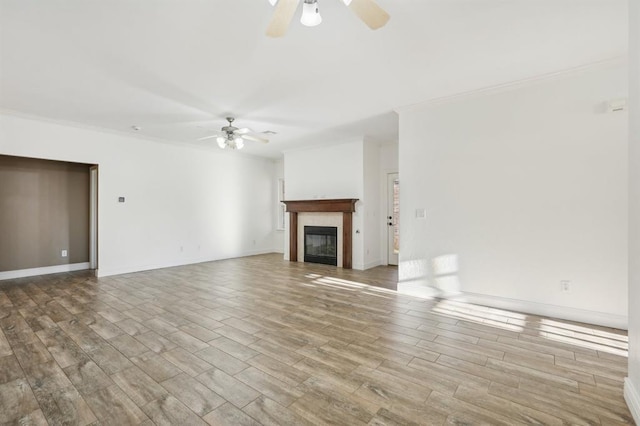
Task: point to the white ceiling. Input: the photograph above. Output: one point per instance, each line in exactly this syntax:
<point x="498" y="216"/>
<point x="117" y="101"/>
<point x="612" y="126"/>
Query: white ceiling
<point x="177" y="67"/>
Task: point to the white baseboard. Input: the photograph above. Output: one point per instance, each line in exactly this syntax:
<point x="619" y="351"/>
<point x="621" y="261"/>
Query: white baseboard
<point x="106" y="272"/>
<point x="32" y="272"/>
<point x="632" y="397"/>
<point x="416" y="288"/>
<point x="253" y="253"/>
<point x="547" y="310"/>
<point x="365" y="266"/>
<point x="372" y="264"/>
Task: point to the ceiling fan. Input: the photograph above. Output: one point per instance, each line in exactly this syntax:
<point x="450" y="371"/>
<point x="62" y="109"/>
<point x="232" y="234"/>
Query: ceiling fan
<point x="233" y="137"/>
<point x="367" y="10"/>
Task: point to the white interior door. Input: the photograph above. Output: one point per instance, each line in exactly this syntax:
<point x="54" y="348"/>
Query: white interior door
<point x="393" y="218"/>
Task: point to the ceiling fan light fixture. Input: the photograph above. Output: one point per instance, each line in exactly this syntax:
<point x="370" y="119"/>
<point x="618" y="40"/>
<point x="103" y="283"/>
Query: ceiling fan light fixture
<point x="310" y="14"/>
<point x="233" y="137"/>
<point x="367" y="11"/>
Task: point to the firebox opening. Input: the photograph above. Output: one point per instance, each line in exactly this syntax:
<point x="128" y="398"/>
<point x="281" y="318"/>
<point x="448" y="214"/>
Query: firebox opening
<point x="321" y="244"/>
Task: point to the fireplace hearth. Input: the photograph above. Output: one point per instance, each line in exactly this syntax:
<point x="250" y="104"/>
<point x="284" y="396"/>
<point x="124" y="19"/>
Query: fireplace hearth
<point x="321" y="244"/>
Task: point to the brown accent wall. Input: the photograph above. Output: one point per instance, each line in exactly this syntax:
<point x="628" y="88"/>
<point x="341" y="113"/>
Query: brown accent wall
<point x="44" y="208"/>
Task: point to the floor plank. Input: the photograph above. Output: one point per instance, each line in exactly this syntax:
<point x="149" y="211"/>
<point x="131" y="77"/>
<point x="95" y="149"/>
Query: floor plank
<point x="259" y="340"/>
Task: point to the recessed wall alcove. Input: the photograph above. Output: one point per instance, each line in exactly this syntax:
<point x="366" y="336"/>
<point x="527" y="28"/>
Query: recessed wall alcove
<point x="345" y="206"/>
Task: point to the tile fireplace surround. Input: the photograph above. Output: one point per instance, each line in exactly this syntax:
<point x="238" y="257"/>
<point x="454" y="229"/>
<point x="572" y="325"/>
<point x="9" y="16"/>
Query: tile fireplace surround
<point x="346" y="206"/>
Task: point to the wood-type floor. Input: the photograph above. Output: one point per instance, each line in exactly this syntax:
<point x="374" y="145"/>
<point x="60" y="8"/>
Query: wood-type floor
<point x="259" y="340"/>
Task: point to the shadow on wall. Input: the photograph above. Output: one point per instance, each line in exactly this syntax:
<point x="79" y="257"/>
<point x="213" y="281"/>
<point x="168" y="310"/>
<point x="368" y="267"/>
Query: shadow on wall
<point x="437" y="277"/>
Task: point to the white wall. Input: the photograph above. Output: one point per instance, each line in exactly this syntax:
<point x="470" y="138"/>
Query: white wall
<point x="332" y="171"/>
<point x="354" y="169"/>
<point x="632" y="385"/>
<point x="389" y="157"/>
<point x="183" y="204"/>
<point x="371" y="208"/>
<point x="523" y="187"/>
<point x="278" y="235"/>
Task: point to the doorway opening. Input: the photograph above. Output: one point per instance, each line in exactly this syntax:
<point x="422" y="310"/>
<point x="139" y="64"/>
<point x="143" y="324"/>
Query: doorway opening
<point x="49" y="220"/>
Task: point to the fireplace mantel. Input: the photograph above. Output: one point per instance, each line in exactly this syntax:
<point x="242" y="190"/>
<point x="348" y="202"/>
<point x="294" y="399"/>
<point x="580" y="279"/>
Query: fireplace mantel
<point x="346" y="206"/>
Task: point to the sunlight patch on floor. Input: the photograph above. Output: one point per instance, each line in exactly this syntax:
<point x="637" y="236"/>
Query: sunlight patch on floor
<point x="340" y="283"/>
<point x="584" y="344"/>
<point x="329" y="284"/>
<point x="474" y="314"/>
<point x="570" y="333"/>
<point x="583" y="330"/>
<point x="555" y="330"/>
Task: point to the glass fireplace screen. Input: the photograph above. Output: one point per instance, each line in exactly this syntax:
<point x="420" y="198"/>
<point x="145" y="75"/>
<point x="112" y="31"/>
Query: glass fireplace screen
<point x="321" y="244"/>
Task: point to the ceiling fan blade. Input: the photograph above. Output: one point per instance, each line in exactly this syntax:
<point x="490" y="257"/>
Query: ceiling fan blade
<point x="255" y="138"/>
<point x="208" y="137"/>
<point x="282" y="17"/>
<point x="244" y="131"/>
<point x="370" y="13"/>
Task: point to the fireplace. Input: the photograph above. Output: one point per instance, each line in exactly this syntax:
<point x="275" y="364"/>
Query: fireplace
<point x="343" y="208"/>
<point x="321" y="244"/>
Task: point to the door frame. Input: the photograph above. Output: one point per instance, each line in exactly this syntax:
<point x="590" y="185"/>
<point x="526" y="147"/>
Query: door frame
<point x="93" y="217"/>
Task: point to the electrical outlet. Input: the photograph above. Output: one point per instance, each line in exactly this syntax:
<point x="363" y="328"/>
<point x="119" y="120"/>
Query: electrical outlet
<point x="64" y="253"/>
<point x="565" y="286"/>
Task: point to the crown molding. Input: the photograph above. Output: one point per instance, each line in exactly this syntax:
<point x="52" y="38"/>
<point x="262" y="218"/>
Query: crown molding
<point x="126" y="134"/>
<point x="515" y="84"/>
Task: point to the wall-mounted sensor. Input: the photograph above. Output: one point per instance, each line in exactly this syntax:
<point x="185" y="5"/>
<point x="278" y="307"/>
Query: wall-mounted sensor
<point x="616" y="105"/>
<point x="121" y="199"/>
